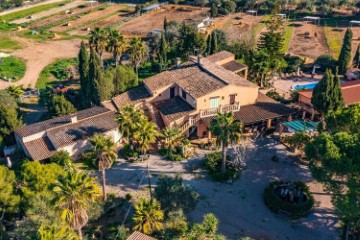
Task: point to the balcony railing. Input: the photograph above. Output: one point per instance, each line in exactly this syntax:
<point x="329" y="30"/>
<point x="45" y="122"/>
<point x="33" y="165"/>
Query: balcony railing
<point x="221" y="109"/>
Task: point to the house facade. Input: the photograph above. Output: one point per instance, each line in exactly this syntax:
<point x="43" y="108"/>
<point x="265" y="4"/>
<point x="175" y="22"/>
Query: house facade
<point x="190" y="94"/>
<point x="71" y="133"/>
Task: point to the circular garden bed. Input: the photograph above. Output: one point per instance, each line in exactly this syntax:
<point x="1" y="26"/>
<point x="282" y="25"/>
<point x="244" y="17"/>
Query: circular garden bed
<point x="292" y="199"/>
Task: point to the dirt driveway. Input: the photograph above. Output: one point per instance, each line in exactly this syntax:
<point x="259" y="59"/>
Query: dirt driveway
<point x="239" y="205"/>
<point x="39" y="55"/>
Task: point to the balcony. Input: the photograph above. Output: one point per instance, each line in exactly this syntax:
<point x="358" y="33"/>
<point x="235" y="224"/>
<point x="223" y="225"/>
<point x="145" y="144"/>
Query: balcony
<point x="221" y="109"/>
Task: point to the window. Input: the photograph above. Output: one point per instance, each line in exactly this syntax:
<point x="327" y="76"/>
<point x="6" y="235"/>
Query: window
<point x="232" y="98"/>
<point x="214" y="102"/>
<point x="183" y="94"/>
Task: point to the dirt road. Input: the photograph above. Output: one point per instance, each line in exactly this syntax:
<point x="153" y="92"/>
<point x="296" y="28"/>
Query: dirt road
<point x="39" y="55"/>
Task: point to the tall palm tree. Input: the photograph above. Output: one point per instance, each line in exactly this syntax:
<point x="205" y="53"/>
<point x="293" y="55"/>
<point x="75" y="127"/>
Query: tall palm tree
<point x="116" y="44"/>
<point x="138" y="52"/>
<point x="172" y="137"/>
<point x="148" y="216"/>
<point x="227" y="131"/>
<point x="103" y="150"/>
<point x="129" y="118"/>
<point x="57" y="232"/>
<point x="74" y="194"/>
<point x="99" y="40"/>
<point x="146" y="134"/>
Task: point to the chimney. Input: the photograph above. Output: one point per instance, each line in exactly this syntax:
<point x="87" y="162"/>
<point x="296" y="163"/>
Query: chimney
<point x="178" y="62"/>
<point x="197" y="54"/>
<point x="73" y="118"/>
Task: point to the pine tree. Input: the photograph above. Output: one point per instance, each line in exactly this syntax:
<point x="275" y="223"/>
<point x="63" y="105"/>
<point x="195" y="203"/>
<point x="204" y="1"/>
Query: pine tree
<point x="214" y="43"/>
<point x="162" y="55"/>
<point x="94" y="77"/>
<point x="327" y="94"/>
<point x="356" y="60"/>
<point x="83" y="72"/>
<point x="345" y="54"/>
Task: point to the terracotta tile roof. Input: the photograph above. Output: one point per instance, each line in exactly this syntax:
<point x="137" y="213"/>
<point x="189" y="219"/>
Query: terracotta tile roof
<point x="40" y="148"/>
<point x="132" y="96"/>
<point x="71" y="133"/>
<point x="350" y="91"/>
<point x="234" y="66"/>
<point x="175" y="108"/>
<point x="139" y="236"/>
<point x="265" y="108"/>
<point x="59" y="121"/>
<point x="191" y="73"/>
<point x="60" y="132"/>
<point x="220" y="56"/>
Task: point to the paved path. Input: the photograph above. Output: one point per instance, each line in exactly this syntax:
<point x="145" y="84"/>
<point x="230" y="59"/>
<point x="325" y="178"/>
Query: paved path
<point x="27" y="6"/>
<point x="239" y="205"/>
<point x="39" y="55"/>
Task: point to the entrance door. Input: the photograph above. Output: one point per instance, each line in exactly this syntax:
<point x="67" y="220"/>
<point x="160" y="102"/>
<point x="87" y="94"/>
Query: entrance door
<point x="232" y="99"/>
<point x="172" y="92"/>
<point x="214" y="102"/>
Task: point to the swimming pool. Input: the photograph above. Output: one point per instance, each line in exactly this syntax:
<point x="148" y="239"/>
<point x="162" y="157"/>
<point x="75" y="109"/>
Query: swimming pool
<point x="305" y="86"/>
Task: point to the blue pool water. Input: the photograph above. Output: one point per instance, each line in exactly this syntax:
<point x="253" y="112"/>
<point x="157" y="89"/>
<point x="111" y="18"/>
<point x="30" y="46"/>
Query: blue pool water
<point x="305" y="86"/>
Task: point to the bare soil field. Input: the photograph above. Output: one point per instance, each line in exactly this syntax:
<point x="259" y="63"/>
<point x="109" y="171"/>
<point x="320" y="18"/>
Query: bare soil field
<point x="50" y="12"/>
<point x="63" y="16"/>
<point x="154" y="20"/>
<point x="82" y="20"/>
<point x="102" y="23"/>
<point x="308" y="40"/>
<point x="238" y="25"/>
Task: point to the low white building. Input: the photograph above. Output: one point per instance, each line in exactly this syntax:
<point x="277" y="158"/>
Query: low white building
<point x="41" y="140"/>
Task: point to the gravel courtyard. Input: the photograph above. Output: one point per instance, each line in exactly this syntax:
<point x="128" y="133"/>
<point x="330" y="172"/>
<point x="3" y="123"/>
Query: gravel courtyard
<point x="239" y="205"/>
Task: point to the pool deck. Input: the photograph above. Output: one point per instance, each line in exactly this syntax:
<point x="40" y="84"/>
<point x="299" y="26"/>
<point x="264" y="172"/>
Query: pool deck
<point x="284" y="85"/>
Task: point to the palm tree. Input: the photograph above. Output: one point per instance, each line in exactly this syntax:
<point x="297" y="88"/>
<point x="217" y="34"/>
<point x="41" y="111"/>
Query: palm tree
<point x="99" y="39"/>
<point x="146" y="134"/>
<point x="15" y="91"/>
<point x="103" y="150"/>
<point x="227" y="131"/>
<point x="148" y="216"/>
<point x="172" y="137"/>
<point x="116" y="44"/>
<point x="74" y="194"/>
<point x="138" y="52"/>
<point x="58" y="232"/>
<point x="129" y="118"/>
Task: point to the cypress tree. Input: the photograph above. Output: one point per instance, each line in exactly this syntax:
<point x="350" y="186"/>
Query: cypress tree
<point x="94" y="77"/>
<point x="345" y="53"/>
<point x="356" y="60"/>
<point x="214" y="43"/>
<point x="327" y="94"/>
<point x="83" y="72"/>
<point x="208" y="44"/>
<point x="165" y="24"/>
<point x="162" y="55"/>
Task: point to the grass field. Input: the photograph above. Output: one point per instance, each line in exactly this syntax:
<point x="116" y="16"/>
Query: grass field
<point x="7" y="44"/>
<point x="12" y="68"/>
<point x="55" y="72"/>
<point x="287" y="38"/>
<point x="27" y="12"/>
<point x="334" y="40"/>
<point x="255" y="31"/>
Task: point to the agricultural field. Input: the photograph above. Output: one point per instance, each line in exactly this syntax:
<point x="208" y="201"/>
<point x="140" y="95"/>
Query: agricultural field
<point x="154" y="20"/>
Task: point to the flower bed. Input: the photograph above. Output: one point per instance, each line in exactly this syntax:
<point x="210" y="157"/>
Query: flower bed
<point x="292" y="198"/>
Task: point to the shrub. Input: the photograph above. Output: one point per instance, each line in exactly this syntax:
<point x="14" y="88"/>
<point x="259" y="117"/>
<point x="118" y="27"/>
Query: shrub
<point x="213" y="167"/>
<point x="128" y="152"/>
<point x="298" y="141"/>
<point x="173" y="194"/>
<point x="326" y="62"/>
<point x="298" y="210"/>
<point x="12" y="68"/>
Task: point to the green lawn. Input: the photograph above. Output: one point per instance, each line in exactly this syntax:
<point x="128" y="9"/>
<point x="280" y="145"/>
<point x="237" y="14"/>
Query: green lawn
<point x="12" y="68"/>
<point x="7" y="44"/>
<point x="30" y="11"/>
<point x="287" y="38"/>
<point x="255" y="31"/>
<point x="334" y="40"/>
<point x="55" y="72"/>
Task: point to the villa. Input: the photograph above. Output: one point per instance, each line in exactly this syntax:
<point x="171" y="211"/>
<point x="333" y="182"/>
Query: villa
<point x="189" y="95"/>
<point x="71" y="133"/>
